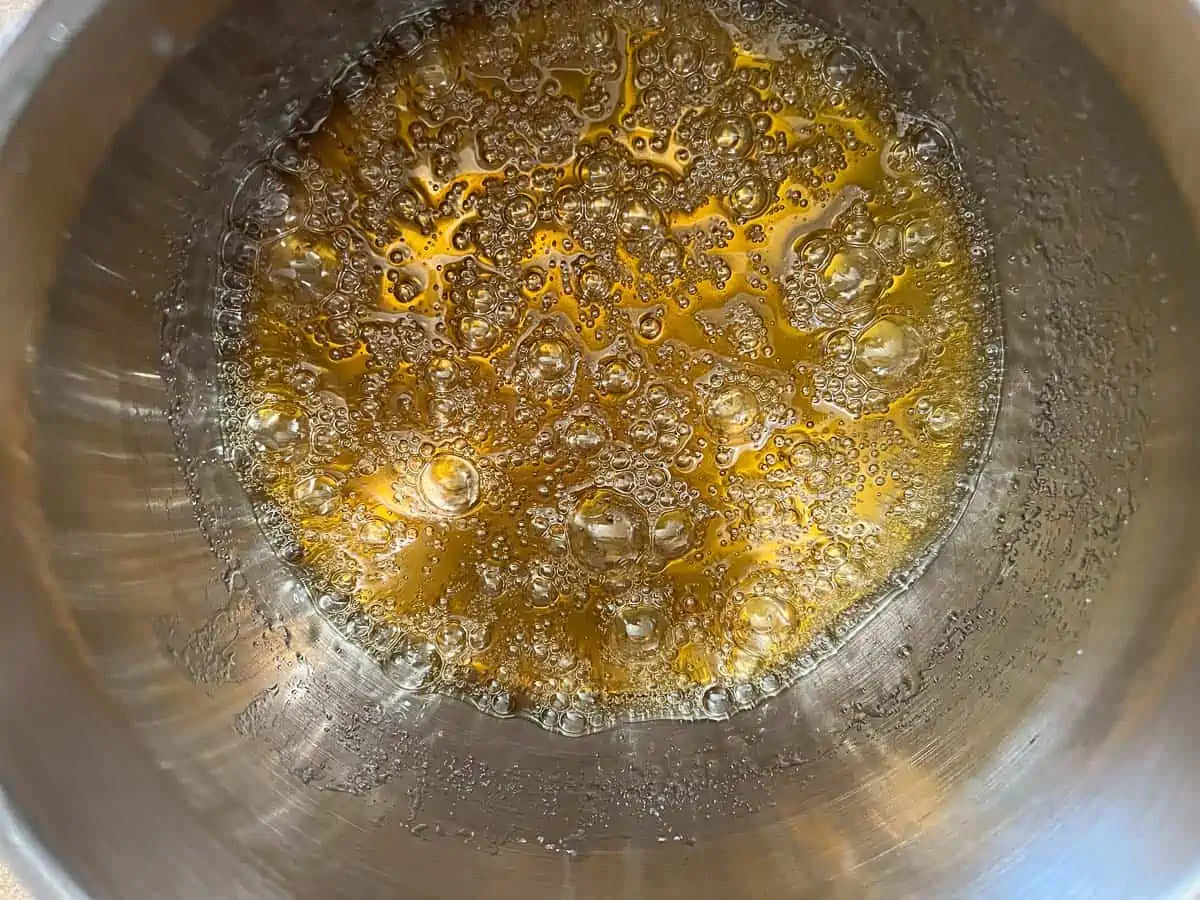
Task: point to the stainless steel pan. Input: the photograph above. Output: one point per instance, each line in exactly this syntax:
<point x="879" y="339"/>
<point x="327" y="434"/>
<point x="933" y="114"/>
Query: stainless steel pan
<point x="174" y="722"/>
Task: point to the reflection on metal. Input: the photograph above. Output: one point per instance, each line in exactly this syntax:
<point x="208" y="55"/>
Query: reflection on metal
<point x="1020" y="723"/>
<point x="35" y="867"/>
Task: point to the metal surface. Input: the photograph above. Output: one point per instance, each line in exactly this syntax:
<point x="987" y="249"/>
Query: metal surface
<point x="175" y="723"/>
<point x="10" y="13"/>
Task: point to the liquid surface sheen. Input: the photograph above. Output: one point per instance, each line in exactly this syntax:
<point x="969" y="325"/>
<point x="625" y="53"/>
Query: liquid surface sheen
<point x="594" y="361"/>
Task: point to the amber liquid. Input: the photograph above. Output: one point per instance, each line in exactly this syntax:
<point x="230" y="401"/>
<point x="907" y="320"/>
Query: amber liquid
<point x="602" y="354"/>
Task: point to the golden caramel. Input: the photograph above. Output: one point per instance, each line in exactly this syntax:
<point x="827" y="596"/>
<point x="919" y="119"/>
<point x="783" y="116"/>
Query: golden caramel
<point x="595" y="357"/>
